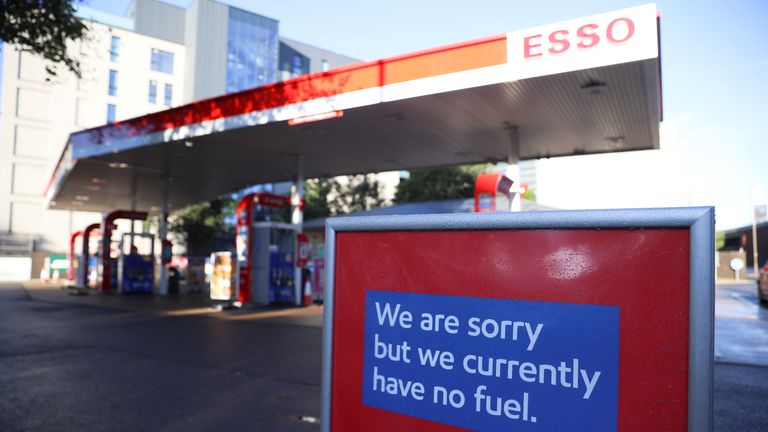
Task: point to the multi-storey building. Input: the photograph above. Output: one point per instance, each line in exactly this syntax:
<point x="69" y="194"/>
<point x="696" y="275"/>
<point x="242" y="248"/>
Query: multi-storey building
<point x="229" y="49"/>
<point x="124" y="74"/>
<point x="158" y="56"/>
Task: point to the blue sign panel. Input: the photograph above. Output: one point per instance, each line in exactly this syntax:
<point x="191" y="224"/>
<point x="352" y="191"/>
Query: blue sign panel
<point x="281" y="278"/>
<point x="491" y="364"/>
<point x="138" y="274"/>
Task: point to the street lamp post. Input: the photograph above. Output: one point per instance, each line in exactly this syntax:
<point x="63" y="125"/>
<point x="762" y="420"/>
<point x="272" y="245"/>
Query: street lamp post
<point x="755" y="263"/>
<point x="758" y="199"/>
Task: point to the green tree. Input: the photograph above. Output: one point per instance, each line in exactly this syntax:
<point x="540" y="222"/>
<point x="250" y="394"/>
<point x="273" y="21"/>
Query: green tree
<point x="42" y="27"/>
<point x="341" y="195"/>
<point x="529" y="195"/>
<point x="719" y="240"/>
<point x="316" y="192"/>
<point x="199" y="225"/>
<point x="357" y="193"/>
<point x="439" y="184"/>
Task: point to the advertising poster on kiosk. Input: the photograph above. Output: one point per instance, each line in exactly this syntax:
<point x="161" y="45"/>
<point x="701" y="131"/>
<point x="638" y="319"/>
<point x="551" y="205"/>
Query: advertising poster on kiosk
<point x="221" y="278"/>
<point x="545" y="321"/>
<point x="196" y="280"/>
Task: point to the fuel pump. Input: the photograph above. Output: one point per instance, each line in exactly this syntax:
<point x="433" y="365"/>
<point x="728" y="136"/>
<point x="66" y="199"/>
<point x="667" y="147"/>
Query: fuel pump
<point x="81" y="265"/>
<point x="88" y="274"/>
<point x="266" y="248"/>
<point x="73" y="258"/>
<point x="136" y="263"/>
<point x="110" y="264"/>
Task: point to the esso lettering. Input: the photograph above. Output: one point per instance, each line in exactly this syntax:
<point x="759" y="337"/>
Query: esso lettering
<point x="587" y="36"/>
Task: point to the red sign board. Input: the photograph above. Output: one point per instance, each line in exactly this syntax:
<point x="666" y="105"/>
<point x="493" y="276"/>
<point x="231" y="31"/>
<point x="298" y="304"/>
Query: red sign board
<point x="548" y="321"/>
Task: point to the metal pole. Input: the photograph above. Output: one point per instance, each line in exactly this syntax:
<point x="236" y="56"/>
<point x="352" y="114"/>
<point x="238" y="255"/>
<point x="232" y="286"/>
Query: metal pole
<point x="134" y="187"/>
<point x="297" y="216"/>
<point x="755" y="262"/>
<point x="163" y="236"/>
<point x="298" y="219"/>
<point x="513" y="167"/>
<point x="758" y="198"/>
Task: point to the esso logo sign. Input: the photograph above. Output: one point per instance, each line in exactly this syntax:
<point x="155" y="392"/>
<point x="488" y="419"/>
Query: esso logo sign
<point x="617" y="32"/>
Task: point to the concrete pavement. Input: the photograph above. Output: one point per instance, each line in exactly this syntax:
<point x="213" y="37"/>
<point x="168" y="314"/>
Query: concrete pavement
<point x="173" y="305"/>
<point x="741" y="355"/>
<point x="80" y="368"/>
<point x="77" y="364"/>
<point x="741" y="325"/>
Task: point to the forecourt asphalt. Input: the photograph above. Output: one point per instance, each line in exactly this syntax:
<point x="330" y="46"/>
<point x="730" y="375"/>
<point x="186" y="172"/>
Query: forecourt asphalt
<point x="92" y="363"/>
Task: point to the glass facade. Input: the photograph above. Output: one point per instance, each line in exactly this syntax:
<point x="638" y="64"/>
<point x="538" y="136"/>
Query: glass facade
<point x="111" y="112"/>
<point x="114" y="49"/>
<point x="252" y="49"/>
<point x="162" y="61"/>
<point x="168" y="96"/>
<point x="113" y="82"/>
<point x="292" y="62"/>
<point x="152" y="91"/>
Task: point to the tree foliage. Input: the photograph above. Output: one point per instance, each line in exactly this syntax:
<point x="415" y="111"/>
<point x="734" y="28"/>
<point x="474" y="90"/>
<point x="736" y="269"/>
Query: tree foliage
<point x="529" y="195"/>
<point x="719" y="240"/>
<point x="439" y="184"/>
<point x="355" y="193"/>
<point x="199" y="225"/>
<point x="316" y="192"/>
<point x="335" y="196"/>
<point x="42" y="27"/>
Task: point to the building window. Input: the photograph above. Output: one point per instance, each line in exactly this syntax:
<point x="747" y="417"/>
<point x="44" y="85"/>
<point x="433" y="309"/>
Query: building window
<point x="152" y="91"/>
<point x="324" y="66"/>
<point x="297" y="63"/>
<point x="292" y="62"/>
<point x="114" y="49"/>
<point x="162" y="61"/>
<point x="113" y="82"/>
<point x="168" y="95"/>
<point x="111" y="112"/>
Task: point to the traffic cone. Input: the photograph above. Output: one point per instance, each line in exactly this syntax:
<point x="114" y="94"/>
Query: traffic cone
<point x="307" y="293"/>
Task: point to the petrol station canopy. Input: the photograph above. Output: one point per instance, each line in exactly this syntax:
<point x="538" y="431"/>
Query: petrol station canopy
<point x="585" y="86"/>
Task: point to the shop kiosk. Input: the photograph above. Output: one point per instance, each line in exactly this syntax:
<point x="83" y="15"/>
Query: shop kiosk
<point x="266" y="248"/>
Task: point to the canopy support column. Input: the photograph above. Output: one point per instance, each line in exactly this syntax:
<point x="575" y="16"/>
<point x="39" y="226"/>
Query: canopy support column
<point x="163" y="232"/>
<point x="513" y="167"/>
<point x="297" y="204"/>
<point x="297" y="198"/>
<point x="134" y="187"/>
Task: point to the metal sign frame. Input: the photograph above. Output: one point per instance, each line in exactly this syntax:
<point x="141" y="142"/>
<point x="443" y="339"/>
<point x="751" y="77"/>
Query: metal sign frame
<point x="698" y="220"/>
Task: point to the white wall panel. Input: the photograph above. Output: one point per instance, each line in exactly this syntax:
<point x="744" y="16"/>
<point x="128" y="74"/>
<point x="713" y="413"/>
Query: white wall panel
<point x="31" y="142"/>
<point x="33" y="104"/>
<point x="27" y="218"/>
<point x="32" y="68"/>
<point x="29" y="179"/>
<point x="83" y="110"/>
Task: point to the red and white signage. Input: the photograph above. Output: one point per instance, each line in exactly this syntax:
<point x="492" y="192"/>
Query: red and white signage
<point x="600" y="40"/>
<point x="422" y="317"/>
